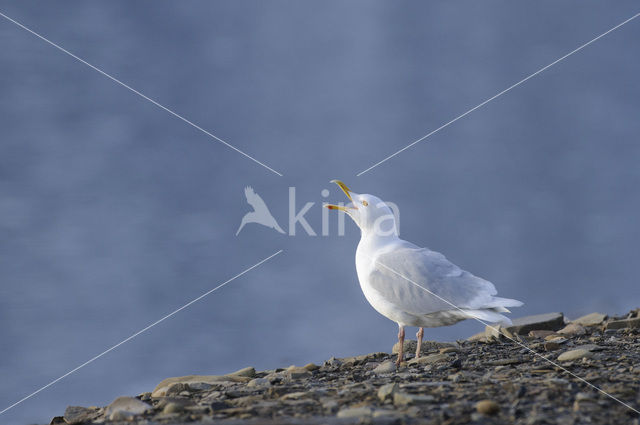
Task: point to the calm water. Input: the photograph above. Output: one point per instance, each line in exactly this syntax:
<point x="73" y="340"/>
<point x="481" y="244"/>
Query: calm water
<point x="113" y="213"/>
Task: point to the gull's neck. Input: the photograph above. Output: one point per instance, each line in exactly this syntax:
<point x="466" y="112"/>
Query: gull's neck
<point x="372" y="240"/>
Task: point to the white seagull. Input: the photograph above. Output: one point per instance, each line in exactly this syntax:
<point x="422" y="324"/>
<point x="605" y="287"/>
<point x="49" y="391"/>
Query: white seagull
<point x="410" y="285"/>
<point x="260" y="213"/>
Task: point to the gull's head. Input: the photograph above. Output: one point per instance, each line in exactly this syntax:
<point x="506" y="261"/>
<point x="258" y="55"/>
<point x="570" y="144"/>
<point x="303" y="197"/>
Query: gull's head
<point x="372" y="215"/>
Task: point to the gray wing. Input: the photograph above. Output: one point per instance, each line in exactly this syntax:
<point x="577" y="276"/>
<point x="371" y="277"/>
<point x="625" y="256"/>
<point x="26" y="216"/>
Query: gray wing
<point x="432" y="271"/>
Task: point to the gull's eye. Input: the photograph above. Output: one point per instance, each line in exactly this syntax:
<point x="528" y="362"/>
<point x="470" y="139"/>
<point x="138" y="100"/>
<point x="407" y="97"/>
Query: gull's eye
<point x="365" y="203"/>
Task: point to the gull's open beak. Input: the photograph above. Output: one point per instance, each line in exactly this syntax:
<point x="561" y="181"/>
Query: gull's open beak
<point x="347" y="192"/>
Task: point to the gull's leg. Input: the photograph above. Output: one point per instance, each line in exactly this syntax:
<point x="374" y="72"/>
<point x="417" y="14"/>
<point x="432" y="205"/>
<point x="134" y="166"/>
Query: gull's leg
<point x="401" y="348"/>
<point x="419" y="335"/>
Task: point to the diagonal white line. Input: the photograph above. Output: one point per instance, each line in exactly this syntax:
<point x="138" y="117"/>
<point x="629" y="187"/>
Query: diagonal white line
<point x="499" y="94"/>
<point x="138" y="333"/>
<point x="511" y="339"/>
<point x="114" y="79"/>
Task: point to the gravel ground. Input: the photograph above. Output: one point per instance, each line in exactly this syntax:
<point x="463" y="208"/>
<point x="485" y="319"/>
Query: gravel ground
<point x="491" y="378"/>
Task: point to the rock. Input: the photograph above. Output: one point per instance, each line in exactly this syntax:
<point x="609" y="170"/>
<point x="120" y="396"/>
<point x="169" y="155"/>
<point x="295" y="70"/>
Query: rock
<point x="295" y="372"/>
<point x="431" y="358"/>
<point x="386" y="391"/>
<point x="77" y="415"/>
<point x="386" y="367"/>
<point x="355" y="412"/>
<point x="172" y="408"/>
<point x="446" y="350"/>
<point x="574" y="355"/>
<point x="311" y="367"/>
<point x="589" y="347"/>
<point x="551" y="346"/>
<point x="487" y="407"/>
<point x="496" y="331"/>
<point x="163" y="386"/>
<point x="406" y="399"/>
<point x="592" y="319"/>
<point x="124" y="407"/>
<point x="249" y="372"/>
<point x="547" y="321"/>
<point x="573" y="329"/>
<point x="57" y="420"/>
<point x="626" y="323"/>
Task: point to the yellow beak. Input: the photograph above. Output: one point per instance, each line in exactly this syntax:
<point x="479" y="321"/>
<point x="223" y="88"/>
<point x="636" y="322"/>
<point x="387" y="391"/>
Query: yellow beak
<point x="347" y="191"/>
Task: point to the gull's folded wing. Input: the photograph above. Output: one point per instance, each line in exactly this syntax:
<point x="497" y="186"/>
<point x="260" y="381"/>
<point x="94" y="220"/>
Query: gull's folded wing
<point x="433" y="272"/>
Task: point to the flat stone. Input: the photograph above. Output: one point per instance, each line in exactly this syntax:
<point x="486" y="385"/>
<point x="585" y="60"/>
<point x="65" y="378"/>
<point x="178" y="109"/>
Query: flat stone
<point x="575" y="355"/>
<point x="355" y="412"/>
<point x="573" y="329"/>
<point x="589" y="347"/>
<point x="547" y="321"/>
<point x="540" y="333"/>
<point x="406" y="399"/>
<point x="487" y="407"/>
<point x="386" y="367"/>
<point x="593" y="319"/>
<point x="430" y="359"/>
<point x="77" y="415"/>
<point x="622" y="324"/>
<point x="311" y="367"/>
<point x="386" y="391"/>
<point x="126" y="406"/>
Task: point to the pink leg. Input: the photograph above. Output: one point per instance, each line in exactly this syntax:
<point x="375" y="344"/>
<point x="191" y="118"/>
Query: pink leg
<point x="401" y="348"/>
<point x="419" y="335"/>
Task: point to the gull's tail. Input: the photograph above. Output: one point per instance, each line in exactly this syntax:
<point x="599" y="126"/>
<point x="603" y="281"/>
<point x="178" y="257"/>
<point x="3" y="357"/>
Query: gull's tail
<point x="491" y="311"/>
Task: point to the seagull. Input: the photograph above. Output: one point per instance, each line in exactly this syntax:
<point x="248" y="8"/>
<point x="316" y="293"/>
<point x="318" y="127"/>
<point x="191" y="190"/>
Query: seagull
<point x="260" y="213"/>
<point x="410" y="285"/>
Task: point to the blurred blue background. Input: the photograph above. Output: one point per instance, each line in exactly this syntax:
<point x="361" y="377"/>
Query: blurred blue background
<point x="113" y="213"/>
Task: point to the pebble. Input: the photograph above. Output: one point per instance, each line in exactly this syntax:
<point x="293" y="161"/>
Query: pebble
<point x="386" y="367"/>
<point x="574" y="355"/>
<point x="405" y="399"/>
<point x="487" y="407"/>
<point x="386" y="391"/>
<point x="258" y="382"/>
